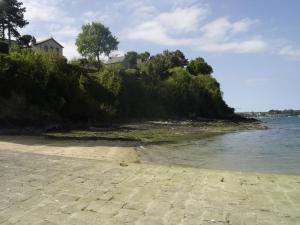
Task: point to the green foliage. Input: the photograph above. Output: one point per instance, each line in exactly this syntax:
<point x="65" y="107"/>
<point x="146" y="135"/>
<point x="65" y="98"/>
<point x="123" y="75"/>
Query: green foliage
<point x="175" y="59"/>
<point x="191" y="96"/>
<point x="137" y="95"/>
<point x="144" y="56"/>
<point x="26" y="41"/>
<point x="157" y="67"/>
<point x="131" y="60"/>
<point x="89" y="64"/>
<point x="199" y="66"/>
<point x="11" y="18"/>
<point x="37" y="87"/>
<point x="45" y="81"/>
<point x="94" y="40"/>
<point x="111" y="78"/>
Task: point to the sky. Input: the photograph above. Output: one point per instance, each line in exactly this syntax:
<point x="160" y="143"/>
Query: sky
<point x="253" y="45"/>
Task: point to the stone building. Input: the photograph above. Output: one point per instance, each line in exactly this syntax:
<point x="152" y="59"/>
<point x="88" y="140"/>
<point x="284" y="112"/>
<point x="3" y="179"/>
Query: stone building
<point x="115" y="60"/>
<point x="49" y="45"/>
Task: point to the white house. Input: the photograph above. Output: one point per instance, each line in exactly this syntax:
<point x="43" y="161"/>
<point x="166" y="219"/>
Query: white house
<point x="49" y="45"/>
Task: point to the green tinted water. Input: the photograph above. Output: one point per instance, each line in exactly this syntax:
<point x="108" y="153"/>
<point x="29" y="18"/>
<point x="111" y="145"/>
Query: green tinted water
<point x="276" y="150"/>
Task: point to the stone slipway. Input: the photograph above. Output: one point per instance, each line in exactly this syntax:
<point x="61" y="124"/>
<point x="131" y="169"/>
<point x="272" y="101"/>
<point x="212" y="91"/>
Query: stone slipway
<point x="47" y="189"/>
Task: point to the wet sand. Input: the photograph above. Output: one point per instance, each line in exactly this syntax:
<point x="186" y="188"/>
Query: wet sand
<point x="44" y="182"/>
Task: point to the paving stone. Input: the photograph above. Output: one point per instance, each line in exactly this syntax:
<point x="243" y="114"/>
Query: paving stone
<point x="41" y="189"/>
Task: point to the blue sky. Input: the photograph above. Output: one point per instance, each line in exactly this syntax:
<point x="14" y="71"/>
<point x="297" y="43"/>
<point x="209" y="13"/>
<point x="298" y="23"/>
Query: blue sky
<point x="253" y="45"/>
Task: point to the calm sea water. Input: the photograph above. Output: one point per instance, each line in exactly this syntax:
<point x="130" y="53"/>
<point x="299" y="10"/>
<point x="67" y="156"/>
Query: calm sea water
<point x="276" y="150"/>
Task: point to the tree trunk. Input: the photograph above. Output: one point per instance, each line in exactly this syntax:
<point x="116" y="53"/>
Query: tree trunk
<point x="3" y="31"/>
<point x="98" y="60"/>
<point x="9" y="35"/>
<point x="3" y="15"/>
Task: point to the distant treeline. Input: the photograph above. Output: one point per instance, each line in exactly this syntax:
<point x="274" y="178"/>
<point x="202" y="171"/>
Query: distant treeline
<point x="272" y="113"/>
<point x="289" y="112"/>
<point x="40" y="88"/>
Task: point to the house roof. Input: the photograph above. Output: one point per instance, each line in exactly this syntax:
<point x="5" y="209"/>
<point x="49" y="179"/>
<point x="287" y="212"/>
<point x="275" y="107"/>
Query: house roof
<point x="113" y="60"/>
<point x="48" y="39"/>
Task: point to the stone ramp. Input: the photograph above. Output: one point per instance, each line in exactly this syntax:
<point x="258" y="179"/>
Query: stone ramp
<point x="41" y="189"/>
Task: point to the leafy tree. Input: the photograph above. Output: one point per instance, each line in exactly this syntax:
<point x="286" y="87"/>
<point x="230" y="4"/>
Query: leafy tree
<point x="131" y="60"/>
<point x="137" y="96"/>
<point x="154" y="69"/>
<point x="199" y="66"/>
<point x="26" y="41"/>
<point x="94" y="40"/>
<point x="144" y="56"/>
<point x="179" y="97"/>
<point x="112" y="80"/>
<point x="175" y="59"/>
<point x="11" y="18"/>
<point x="157" y="67"/>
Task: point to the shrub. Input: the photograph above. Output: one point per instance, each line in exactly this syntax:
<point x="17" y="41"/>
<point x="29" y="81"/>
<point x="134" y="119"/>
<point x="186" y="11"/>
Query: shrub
<point x="199" y="66"/>
<point x="46" y="87"/>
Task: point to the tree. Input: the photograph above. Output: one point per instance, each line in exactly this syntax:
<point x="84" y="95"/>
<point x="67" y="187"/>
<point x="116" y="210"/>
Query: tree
<point x="2" y="18"/>
<point x="199" y="66"/>
<point x="158" y="66"/>
<point x="94" y="40"/>
<point x="131" y="60"/>
<point x="26" y="41"/>
<point x="175" y="59"/>
<point x="144" y="56"/>
<point x="11" y="18"/>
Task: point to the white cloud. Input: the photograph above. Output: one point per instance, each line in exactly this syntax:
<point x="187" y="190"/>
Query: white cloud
<point x="216" y="29"/>
<point x="247" y="46"/>
<point x="181" y="19"/>
<point x="70" y="50"/>
<point x="135" y="9"/>
<point x="181" y="26"/>
<point x="91" y="16"/>
<point x="47" y="11"/>
<point x="157" y="29"/>
<point x="63" y="31"/>
<point x="243" y="25"/>
<point x="290" y="52"/>
<point x="222" y="28"/>
<point x="154" y="32"/>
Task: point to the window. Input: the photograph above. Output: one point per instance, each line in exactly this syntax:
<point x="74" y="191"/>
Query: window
<point x="46" y="48"/>
<point x="57" y="50"/>
<point x="51" y="49"/>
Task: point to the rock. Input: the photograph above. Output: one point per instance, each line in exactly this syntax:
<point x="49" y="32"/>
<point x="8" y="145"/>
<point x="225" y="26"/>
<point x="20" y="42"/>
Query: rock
<point x="123" y="164"/>
<point x="222" y="180"/>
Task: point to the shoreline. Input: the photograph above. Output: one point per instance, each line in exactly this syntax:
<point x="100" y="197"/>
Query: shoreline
<point x="117" y="142"/>
<point x="100" y="151"/>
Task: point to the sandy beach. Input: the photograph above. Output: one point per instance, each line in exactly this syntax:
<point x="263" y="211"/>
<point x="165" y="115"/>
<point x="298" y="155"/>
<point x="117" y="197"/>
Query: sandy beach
<point x="99" y="150"/>
<point x="50" y="182"/>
